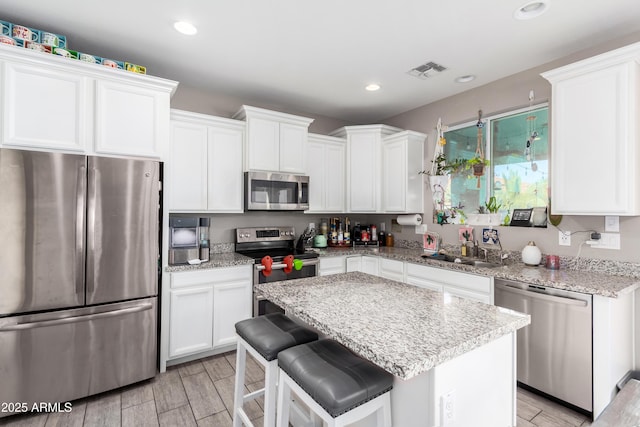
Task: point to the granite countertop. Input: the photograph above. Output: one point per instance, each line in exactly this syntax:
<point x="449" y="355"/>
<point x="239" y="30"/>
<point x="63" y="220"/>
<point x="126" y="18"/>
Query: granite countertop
<point x="589" y="282"/>
<point x="404" y="329"/>
<point x="227" y="259"/>
<point x="578" y="280"/>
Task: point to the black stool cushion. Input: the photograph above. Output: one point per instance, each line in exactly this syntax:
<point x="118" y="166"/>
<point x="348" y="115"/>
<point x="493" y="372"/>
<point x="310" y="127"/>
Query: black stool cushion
<point x="333" y="376"/>
<point x="272" y="333"/>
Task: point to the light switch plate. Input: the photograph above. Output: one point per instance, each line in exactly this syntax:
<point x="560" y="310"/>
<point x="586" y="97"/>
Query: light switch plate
<point x="421" y="229"/>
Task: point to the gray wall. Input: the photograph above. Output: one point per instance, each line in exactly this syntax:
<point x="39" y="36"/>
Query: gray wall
<point x="195" y="100"/>
<point x="508" y="94"/>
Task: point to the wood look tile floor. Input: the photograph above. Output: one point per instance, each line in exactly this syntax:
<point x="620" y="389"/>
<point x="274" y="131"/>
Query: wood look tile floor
<point x="200" y="393"/>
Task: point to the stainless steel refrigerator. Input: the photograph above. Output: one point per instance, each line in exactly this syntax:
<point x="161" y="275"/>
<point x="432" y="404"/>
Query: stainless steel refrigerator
<point x="79" y="249"/>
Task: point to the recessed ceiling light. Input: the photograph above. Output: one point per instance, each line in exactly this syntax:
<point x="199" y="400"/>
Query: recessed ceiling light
<point x="531" y="10"/>
<point x="185" y="28"/>
<point x="465" y="79"/>
<point x="372" y="87"/>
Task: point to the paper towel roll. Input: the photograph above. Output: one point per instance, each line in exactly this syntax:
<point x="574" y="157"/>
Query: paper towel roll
<point x="409" y="219"/>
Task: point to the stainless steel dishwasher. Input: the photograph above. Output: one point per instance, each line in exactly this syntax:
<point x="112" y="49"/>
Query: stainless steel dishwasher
<point x="555" y="350"/>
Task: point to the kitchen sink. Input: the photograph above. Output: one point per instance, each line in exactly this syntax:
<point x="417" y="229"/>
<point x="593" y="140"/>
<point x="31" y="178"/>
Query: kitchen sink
<point x="480" y="263"/>
<point x="475" y="262"/>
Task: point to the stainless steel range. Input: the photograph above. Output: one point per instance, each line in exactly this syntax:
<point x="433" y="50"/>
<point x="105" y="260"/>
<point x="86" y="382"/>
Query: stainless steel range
<point x="275" y="254"/>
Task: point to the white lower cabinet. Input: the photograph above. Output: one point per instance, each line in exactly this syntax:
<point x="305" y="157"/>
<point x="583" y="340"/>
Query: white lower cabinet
<point x="332" y="265"/>
<point x="231" y="304"/>
<point x="391" y="269"/>
<point x="191" y="326"/>
<point x="204" y="308"/>
<point x="464" y="285"/>
<point x="370" y="265"/>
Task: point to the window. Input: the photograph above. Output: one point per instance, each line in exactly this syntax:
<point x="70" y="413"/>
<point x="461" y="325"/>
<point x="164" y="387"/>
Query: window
<point x="516" y="145"/>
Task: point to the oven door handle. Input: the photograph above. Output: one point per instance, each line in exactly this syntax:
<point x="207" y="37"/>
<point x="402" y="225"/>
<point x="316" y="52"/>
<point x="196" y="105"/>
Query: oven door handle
<point x="282" y="266"/>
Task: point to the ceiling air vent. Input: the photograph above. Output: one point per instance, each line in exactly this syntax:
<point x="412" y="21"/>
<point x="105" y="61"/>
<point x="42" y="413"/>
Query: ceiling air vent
<point x="427" y="70"/>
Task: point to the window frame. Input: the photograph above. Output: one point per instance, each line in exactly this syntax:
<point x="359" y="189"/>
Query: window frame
<point x="487" y="121"/>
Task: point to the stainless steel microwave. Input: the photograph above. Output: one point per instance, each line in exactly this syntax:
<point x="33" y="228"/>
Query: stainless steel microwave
<point x="274" y="191"/>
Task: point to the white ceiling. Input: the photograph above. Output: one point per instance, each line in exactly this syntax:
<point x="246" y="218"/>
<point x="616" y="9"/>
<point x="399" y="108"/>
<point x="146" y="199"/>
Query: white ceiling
<point x="318" y="56"/>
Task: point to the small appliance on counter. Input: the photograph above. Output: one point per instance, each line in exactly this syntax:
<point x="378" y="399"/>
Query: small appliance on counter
<point x="187" y="238"/>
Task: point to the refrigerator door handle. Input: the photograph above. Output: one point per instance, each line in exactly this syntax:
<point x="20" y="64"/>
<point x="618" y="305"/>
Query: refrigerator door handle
<point x="75" y="319"/>
<point x="91" y="228"/>
<point x="80" y="229"/>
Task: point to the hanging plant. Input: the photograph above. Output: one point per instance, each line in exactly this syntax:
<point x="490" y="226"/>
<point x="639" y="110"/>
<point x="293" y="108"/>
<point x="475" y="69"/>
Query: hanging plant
<point x="478" y="162"/>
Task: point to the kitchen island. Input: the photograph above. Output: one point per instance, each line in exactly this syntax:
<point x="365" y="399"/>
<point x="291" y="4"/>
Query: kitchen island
<point x="451" y="358"/>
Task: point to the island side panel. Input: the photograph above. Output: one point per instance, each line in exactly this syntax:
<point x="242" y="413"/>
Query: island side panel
<point x="479" y="386"/>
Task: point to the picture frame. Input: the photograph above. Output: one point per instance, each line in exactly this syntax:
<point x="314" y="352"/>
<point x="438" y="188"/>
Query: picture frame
<point x="431" y="242"/>
<point x="465" y="234"/>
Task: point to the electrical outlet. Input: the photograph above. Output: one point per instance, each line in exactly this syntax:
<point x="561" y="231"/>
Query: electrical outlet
<point x="447" y="406"/>
<point x="607" y="241"/>
<point x="564" y="238"/>
<point x="421" y="229"/>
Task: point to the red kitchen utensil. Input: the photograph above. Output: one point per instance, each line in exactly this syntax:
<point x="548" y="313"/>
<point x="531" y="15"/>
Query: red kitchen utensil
<point x="267" y="262"/>
<point x="288" y="261"/>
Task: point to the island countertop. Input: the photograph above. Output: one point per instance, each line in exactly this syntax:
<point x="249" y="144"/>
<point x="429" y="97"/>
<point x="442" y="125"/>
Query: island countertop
<point x="402" y="328"/>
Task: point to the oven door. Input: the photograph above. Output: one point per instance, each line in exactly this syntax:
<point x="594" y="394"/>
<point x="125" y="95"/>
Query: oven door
<point x="263" y="306"/>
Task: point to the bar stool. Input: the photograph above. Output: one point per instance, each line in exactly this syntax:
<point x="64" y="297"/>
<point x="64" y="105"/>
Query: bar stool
<point x="264" y="337"/>
<point x="337" y="385"/>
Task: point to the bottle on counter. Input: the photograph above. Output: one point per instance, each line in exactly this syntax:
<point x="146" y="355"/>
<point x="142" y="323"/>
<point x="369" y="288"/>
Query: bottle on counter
<point x="347" y="231"/>
<point x="389" y="240"/>
<point x="374" y="233"/>
<point x="382" y="236"/>
<point x="334" y="231"/>
<point x="340" y="233"/>
<point x="204" y="247"/>
<point x="324" y="226"/>
<point x="356" y="233"/>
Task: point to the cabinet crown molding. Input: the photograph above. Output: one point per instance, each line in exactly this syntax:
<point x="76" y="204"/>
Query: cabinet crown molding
<point x="31" y="57"/>
<point x="247" y="111"/>
<point x="384" y="130"/>
<point x="617" y="56"/>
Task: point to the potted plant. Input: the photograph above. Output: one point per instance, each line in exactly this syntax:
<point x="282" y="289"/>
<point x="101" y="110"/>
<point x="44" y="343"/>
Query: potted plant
<point x="477" y="164"/>
<point x="492" y="207"/>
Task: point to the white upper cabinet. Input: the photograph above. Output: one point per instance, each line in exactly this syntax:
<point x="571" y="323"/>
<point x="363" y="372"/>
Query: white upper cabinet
<point x="55" y="121"/>
<point x="187" y="176"/>
<point x="130" y="119"/>
<point x="50" y="102"/>
<point x="595" y="146"/>
<point x="326" y="158"/>
<point x="402" y="160"/>
<point x="205" y="171"/>
<point x="275" y="142"/>
<point x="364" y="145"/>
